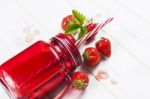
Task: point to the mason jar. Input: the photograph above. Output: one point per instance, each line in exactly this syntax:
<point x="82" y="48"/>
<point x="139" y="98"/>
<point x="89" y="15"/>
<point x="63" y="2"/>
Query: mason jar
<point x="35" y="72"/>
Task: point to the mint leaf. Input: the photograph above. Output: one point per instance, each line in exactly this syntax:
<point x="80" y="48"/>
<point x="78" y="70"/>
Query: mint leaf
<point x="83" y="32"/>
<point x="72" y="28"/>
<point x="70" y="23"/>
<point x="78" y="17"/>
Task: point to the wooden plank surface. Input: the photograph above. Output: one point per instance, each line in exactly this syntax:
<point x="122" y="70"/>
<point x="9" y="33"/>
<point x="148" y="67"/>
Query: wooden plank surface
<point x="24" y="22"/>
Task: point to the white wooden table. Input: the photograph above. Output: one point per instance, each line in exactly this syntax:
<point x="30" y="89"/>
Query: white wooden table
<point x="22" y="22"/>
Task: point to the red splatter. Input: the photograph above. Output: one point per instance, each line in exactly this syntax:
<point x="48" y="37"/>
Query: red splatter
<point x="102" y="74"/>
<point x="114" y="82"/>
<point x="97" y="77"/>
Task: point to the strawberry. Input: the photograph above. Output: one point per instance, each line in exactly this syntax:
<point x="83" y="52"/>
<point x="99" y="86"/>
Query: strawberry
<point x="71" y="38"/>
<point x="66" y="20"/>
<point x="91" y="56"/>
<point x="104" y="46"/>
<point x="89" y="28"/>
<point x="80" y="80"/>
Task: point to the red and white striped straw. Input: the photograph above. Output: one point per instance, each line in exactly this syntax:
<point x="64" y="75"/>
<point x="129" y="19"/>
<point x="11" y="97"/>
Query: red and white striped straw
<point x="93" y="32"/>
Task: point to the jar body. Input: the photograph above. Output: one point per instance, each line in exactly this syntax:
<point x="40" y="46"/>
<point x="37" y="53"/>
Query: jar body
<point x="38" y="69"/>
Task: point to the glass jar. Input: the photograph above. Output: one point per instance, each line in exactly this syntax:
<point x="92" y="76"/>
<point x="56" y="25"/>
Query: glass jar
<point x="36" y="71"/>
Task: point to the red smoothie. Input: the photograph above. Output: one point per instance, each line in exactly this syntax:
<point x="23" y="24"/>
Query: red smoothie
<point x="40" y="68"/>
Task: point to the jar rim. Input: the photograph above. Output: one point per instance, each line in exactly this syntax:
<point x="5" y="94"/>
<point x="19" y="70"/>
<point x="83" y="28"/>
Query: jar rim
<point x="74" y="52"/>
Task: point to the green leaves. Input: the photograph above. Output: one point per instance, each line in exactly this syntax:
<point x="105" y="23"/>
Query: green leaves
<point x="78" y="17"/>
<point x="72" y="28"/>
<point x="83" y="32"/>
<point x="77" y="27"/>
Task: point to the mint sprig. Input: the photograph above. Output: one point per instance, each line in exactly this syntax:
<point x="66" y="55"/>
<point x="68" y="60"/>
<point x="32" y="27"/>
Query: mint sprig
<point x="72" y="29"/>
<point x="83" y="32"/>
<point x="77" y="27"/>
<point x="79" y="17"/>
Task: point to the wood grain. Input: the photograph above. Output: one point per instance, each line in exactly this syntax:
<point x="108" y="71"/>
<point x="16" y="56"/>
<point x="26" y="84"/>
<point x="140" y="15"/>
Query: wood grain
<point x="24" y="22"/>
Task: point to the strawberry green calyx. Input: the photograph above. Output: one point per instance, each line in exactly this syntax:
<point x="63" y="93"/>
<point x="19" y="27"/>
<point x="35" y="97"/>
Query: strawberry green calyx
<point x="79" y="84"/>
<point x="79" y="80"/>
<point x="85" y="56"/>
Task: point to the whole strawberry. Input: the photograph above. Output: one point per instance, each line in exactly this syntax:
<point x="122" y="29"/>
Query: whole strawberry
<point x="91" y="56"/>
<point x="80" y="80"/>
<point x="89" y="28"/>
<point x="104" y="46"/>
<point x="66" y="20"/>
